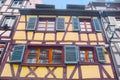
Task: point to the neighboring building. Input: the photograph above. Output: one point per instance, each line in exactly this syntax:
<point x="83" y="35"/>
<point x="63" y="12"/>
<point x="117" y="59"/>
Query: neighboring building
<point x="110" y="18"/>
<point x="58" y="44"/>
<point x="9" y="15"/>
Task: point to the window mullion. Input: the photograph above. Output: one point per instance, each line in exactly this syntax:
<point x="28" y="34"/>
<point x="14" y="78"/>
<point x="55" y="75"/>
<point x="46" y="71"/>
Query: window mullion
<point x="38" y="56"/>
<point x="46" y="27"/>
<point x="50" y="55"/>
<point x="86" y="52"/>
<point x="85" y="25"/>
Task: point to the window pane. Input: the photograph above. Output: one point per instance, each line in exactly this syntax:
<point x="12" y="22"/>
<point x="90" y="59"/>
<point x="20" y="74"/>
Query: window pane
<point x="57" y="56"/>
<point x="32" y="53"/>
<point x="43" y="59"/>
<point x="83" y="29"/>
<point x="9" y="21"/>
<point x="17" y="4"/>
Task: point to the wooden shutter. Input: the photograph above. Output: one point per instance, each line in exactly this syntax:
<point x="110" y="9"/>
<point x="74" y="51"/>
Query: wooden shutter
<point x="96" y="24"/>
<point x="112" y="20"/>
<point x="100" y="54"/>
<point x="75" y="23"/>
<point x="17" y="54"/>
<point x="60" y="24"/>
<point x="31" y="23"/>
<point x="71" y="54"/>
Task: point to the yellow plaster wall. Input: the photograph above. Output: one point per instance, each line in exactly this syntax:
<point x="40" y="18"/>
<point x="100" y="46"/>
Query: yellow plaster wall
<point x="30" y="35"/>
<point x="20" y="35"/>
<point x="104" y="75"/>
<point x="101" y="43"/>
<point x="24" y="71"/>
<point x="71" y="36"/>
<point x="70" y="28"/>
<point x="100" y="38"/>
<point x="22" y="18"/>
<point x="21" y="26"/>
<point x="92" y="37"/>
<point x="109" y="70"/>
<point x="65" y="42"/>
<point x="41" y="71"/>
<point x="90" y="72"/>
<point x="59" y="72"/>
<point x="81" y="43"/>
<point x="21" y="42"/>
<point x="38" y="36"/>
<point x="93" y="43"/>
<point x="60" y="36"/>
<point x="70" y="70"/>
<point x="76" y="75"/>
<point x="33" y="42"/>
<point x="83" y="37"/>
<point x="15" y="67"/>
<point x="107" y="58"/>
<point x="6" y="71"/>
<point x="50" y="42"/>
<point x="50" y="36"/>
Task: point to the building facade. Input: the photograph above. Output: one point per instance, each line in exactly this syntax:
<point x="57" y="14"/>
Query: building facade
<point x="9" y="15"/>
<point x="110" y="19"/>
<point x="55" y="44"/>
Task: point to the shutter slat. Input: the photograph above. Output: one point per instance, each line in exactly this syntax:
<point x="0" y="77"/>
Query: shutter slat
<point x="17" y="54"/>
<point x="71" y="54"/>
<point x="96" y="24"/>
<point x="31" y="23"/>
<point x="75" y="23"/>
<point x="100" y="54"/>
<point x="60" y="24"/>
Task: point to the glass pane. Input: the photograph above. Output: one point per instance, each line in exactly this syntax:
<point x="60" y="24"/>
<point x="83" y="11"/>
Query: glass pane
<point x="83" y="29"/>
<point x="82" y="26"/>
<point x="57" y="56"/>
<point x="43" y="59"/>
<point x="82" y="56"/>
<point x="88" y="26"/>
<point x="89" y="30"/>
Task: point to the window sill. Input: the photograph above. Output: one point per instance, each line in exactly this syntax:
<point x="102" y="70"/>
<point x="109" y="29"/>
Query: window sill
<point x="31" y="64"/>
<point x="88" y="63"/>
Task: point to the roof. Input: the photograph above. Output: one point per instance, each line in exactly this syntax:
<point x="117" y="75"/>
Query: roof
<point x="62" y="12"/>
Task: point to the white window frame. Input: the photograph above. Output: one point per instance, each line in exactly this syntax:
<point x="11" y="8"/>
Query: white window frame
<point x="9" y="20"/>
<point x="1" y="2"/>
<point x="18" y="5"/>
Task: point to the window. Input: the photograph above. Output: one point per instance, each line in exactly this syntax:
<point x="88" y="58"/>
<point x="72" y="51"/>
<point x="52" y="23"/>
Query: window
<point x="97" y="25"/>
<point x="75" y="23"/>
<point x="100" y="54"/>
<point x="85" y="25"/>
<point x="17" y="3"/>
<point x="71" y="54"/>
<point x="18" y="53"/>
<point x="44" y="55"/>
<point x="8" y="22"/>
<point x="46" y="24"/>
<point x="60" y="24"/>
<point x="31" y="23"/>
<point x="2" y="46"/>
<point x="1" y="2"/>
<point x="87" y="55"/>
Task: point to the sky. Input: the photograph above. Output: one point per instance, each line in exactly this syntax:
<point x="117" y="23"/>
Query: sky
<point x="61" y="4"/>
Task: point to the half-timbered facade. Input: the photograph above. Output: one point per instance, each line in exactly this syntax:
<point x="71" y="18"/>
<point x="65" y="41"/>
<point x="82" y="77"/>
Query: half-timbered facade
<point x="110" y="18"/>
<point x="9" y="15"/>
<point x="58" y="44"/>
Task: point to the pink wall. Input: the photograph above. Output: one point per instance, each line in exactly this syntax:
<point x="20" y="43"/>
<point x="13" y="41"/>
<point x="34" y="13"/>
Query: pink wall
<point x="31" y="3"/>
